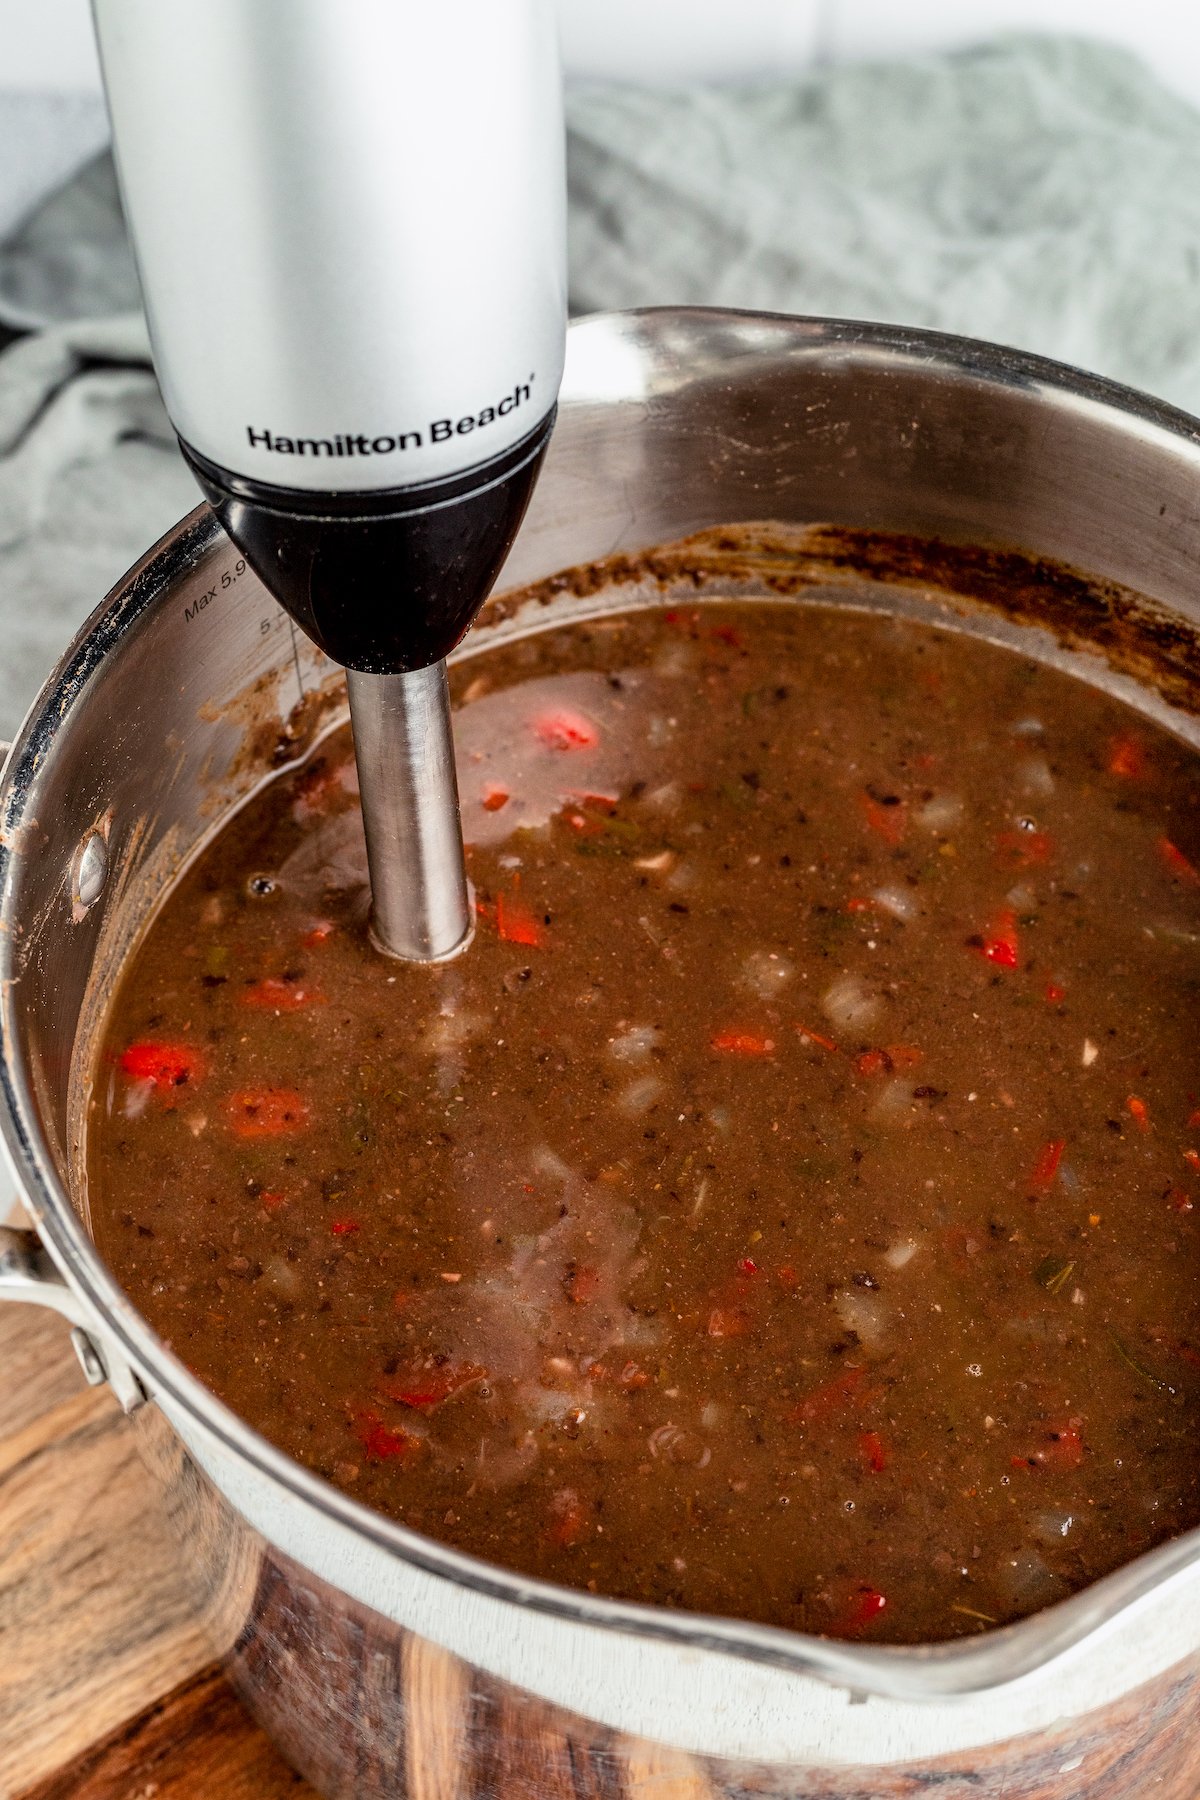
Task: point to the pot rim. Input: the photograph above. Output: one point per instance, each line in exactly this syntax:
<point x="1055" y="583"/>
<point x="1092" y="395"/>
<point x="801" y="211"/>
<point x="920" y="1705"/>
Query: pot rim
<point x="919" y="1672"/>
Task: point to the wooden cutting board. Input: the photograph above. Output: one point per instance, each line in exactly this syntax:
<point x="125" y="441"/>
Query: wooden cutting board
<point x="107" y="1690"/>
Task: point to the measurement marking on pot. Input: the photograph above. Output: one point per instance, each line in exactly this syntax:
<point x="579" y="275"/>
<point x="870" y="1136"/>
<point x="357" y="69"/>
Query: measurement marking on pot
<point x="296" y="657"/>
<point x="224" y="581"/>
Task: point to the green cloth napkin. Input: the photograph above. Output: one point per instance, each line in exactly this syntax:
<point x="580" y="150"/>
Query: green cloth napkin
<point x="1042" y="192"/>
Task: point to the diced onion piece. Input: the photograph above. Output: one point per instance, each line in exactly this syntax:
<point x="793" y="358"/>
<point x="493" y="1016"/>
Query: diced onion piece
<point x="544" y="1161"/>
<point x="1053" y="1525"/>
<point x="640" y="1095"/>
<point x="942" y="813"/>
<point x="850" y="1003"/>
<point x="868" y="1315"/>
<point x="1035" y="777"/>
<point x="137" y="1098"/>
<point x="766" y="972"/>
<point x="897" y="1255"/>
<point x="896" y="901"/>
<point x="894" y="1104"/>
<point x="634" y="1045"/>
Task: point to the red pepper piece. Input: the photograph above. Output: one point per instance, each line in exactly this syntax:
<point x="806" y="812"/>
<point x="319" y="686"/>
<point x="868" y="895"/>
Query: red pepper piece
<point x="1192" y="1159"/>
<point x="830" y="1398"/>
<point x="166" y="1065"/>
<point x="1176" y="863"/>
<point x="263" y="1112"/>
<point x="1126" y="758"/>
<point x="1055" y="992"/>
<point x="742" y="1043"/>
<point x="1025" y="849"/>
<point x="999" y="943"/>
<point x="1046" y="1167"/>
<point x="564" y="729"/>
<point x="588" y="797"/>
<point x="1060" y="1448"/>
<point x="816" y="1037"/>
<point x="581" y="1283"/>
<point x="1139" y="1112"/>
<point x="786" y="1276"/>
<point x="732" y="1315"/>
<point x="380" y="1442"/>
<point x="517" y="925"/>
<point x="591" y="812"/>
<point x="429" y="1383"/>
<point x="873" y="1451"/>
<point x="272" y="1201"/>
<point x="863" y="1609"/>
<point x="494" y="797"/>
<point x="888" y="822"/>
<point x="275" y="995"/>
<point x="568" y="1519"/>
<point x="587" y="824"/>
<point x="874" y="1062"/>
<point x="1178" y="1201"/>
<point x="345" y="1227"/>
<point x="320" y="934"/>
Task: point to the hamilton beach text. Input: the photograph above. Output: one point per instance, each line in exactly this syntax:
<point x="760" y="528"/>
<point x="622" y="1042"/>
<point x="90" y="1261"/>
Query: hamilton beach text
<point x="358" y="444"/>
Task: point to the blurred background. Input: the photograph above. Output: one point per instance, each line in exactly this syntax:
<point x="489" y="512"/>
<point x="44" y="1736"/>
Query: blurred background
<point x="47" y="49"/>
<point x="1026" y="171"/>
<point x="47" y="46"/>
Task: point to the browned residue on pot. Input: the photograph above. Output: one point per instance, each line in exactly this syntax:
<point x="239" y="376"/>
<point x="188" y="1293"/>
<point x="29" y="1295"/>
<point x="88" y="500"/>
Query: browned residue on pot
<point x="1135" y="636"/>
<point x="271" y="737"/>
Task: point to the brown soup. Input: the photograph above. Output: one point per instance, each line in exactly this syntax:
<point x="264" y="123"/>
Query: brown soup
<point x="784" y="1208"/>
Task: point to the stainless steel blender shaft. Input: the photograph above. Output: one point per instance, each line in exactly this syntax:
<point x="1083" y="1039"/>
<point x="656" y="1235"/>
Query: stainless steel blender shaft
<point x="405" y="753"/>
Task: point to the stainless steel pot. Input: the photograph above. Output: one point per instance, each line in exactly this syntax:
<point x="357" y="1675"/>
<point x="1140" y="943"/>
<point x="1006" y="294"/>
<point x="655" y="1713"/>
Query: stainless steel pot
<point x="383" y="1662"/>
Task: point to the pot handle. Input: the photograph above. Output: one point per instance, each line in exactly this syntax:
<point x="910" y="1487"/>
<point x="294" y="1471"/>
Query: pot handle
<point x="27" y="1273"/>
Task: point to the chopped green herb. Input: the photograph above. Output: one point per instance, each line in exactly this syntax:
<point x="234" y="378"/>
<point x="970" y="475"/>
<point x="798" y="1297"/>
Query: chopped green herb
<point x="1053" y="1273"/>
<point x="1140" y="1368"/>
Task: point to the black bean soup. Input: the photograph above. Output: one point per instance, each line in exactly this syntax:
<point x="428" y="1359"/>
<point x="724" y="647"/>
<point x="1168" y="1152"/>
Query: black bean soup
<point x="785" y="1208"/>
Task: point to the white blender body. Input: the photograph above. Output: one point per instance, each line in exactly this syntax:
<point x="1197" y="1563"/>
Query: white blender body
<point x="349" y="223"/>
<point x="348" y="217"/>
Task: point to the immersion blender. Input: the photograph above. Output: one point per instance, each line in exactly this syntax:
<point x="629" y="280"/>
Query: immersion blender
<point x="348" y="218"/>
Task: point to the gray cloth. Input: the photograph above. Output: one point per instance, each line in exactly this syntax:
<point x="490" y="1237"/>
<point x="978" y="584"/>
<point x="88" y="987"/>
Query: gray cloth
<point x="1042" y="192"/>
<point x="44" y="140"/>
<point x="90" y="475"/>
